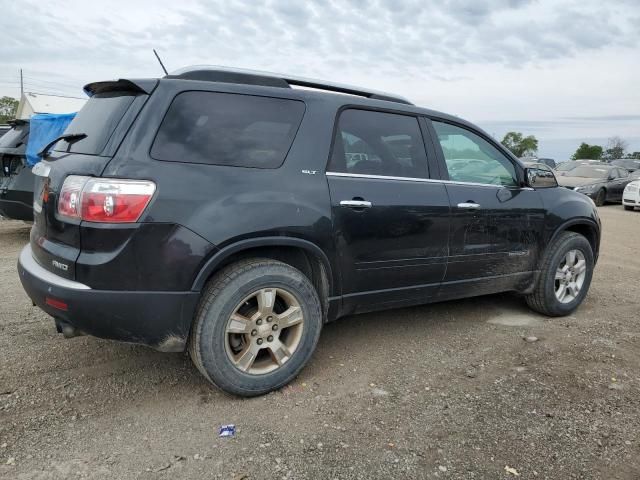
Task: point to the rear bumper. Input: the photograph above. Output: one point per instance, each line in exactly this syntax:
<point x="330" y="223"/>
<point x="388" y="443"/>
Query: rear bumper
<point x="16" y="195"/>
<point x="17" y="206"/>
<point x="158" y="319"/>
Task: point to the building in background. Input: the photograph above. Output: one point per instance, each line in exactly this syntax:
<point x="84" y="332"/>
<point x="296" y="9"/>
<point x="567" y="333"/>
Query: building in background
<point x="32" y="103"/>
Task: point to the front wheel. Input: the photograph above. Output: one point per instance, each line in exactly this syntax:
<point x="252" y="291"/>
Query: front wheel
<point x="627" y="207"/>
<point x="565" y="276"/>
<point x="600" y="197"/>
<point x="258" y="324"/>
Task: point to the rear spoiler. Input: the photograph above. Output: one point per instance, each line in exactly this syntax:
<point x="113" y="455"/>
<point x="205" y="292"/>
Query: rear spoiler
<point x="145" y="86"/>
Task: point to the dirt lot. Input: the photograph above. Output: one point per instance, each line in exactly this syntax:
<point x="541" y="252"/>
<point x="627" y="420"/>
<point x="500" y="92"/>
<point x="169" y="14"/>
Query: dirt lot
<point x="442" y="391"/>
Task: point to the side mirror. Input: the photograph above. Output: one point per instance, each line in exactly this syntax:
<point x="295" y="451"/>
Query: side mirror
<point x="540" y="178"/>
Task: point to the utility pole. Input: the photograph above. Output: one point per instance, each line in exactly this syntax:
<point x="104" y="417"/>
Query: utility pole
<point x="21" y="85"/>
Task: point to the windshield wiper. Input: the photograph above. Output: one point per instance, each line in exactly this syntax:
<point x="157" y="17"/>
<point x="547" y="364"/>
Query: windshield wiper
<point x="70" y="138"/>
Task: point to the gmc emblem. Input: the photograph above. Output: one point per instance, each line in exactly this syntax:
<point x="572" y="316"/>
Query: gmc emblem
<point x="62" y="266"/>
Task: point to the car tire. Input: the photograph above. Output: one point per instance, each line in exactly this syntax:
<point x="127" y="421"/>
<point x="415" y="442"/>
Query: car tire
<point x="239" y="286"/>
<point x="600" y="197"/>
<point x="627" y="207"/>
<point x="544" y="298"/>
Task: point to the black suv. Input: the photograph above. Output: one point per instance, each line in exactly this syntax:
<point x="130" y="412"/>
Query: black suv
<point x="232" y="214"/>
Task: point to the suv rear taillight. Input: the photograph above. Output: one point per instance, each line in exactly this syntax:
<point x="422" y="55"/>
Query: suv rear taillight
<point x="106" y="200"/>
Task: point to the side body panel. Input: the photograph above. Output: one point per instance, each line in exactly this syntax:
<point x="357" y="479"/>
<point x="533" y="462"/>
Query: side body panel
<point x="226" y="205"/>
<point x="395" y="251"/>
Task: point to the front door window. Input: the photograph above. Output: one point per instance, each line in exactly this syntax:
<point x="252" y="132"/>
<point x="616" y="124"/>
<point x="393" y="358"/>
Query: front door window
<point x="470" y="158"/>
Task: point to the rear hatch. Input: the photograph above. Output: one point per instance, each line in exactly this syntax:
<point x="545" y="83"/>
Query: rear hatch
<point x="105" y="120"/>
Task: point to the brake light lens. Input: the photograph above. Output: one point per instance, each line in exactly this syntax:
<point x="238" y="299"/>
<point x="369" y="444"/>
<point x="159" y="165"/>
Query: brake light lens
<point x="104" y="200"/>
<point x="69" y="202"/>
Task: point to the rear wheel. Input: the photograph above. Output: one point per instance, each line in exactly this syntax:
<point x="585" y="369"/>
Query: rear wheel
<point x="565" y="276"/>
<point x="600" y="197"/>
<point x="257" y="326"/>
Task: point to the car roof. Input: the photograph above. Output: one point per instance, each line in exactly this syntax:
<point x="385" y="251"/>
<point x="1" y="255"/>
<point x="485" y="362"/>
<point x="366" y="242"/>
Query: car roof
<point x="257" y="82"/>
<point x="217" y="73"/>
<point x="307" y="89"/>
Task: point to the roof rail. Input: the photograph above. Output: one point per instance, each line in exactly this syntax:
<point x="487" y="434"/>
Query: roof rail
<point x="214" y="73"/>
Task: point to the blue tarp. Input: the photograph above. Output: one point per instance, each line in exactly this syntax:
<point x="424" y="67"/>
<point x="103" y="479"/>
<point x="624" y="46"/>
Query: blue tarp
<point x="43" y="128"/>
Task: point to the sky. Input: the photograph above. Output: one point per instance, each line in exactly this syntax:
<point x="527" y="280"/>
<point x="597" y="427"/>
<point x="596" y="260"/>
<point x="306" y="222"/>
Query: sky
<point x="565" y="71"/>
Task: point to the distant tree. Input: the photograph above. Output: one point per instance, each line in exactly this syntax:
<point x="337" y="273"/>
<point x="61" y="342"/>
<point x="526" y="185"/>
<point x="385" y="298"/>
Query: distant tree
<point x="8" y="109"/>
<point x="519" y="144"/>
<point x="587" y="152"/>
<point x="635" y="155"/>
<point x="615" y="148"/>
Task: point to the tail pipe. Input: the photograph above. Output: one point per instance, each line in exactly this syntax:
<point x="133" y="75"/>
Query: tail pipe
<point x="67" y="330"/>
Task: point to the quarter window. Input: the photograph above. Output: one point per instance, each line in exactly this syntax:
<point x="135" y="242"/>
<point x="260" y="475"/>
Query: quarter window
<point x="470" y="158"/>
<point x="378" y="143"/>
<point x="228" y="129"/>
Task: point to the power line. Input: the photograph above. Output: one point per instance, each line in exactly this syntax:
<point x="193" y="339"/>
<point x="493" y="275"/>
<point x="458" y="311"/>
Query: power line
<point x="39" y="80"/>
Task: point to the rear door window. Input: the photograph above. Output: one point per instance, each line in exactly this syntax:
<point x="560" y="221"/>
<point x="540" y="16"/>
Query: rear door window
<point x="98" y="119"/>
<point x="228" y="129"/>
<point x="378" y="143"/>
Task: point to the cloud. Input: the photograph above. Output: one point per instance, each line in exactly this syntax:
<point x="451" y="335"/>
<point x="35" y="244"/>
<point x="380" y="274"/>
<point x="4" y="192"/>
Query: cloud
<point x="483" y="59"/>
<point x="383" y="35"/>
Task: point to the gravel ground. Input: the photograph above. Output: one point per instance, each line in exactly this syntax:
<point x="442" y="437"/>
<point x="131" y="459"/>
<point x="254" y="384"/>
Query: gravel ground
<point x="442" y="391"/>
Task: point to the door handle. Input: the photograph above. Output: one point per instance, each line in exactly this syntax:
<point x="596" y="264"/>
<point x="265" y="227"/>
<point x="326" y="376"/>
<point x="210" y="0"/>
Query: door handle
<point x="355" y="203"/>
<point x="468" y="205"/>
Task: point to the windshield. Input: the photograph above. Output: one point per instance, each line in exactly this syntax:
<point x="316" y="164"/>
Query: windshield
<point x="565" y="167"/>
<point x="590" y="172"/>
<point x="98" y="120"/>
<point x="15" y="137"/>
<point x="627" y="163"/>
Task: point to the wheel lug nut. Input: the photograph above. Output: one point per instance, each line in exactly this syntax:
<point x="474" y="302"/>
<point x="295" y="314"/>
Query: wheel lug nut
<point x="269" y="319"/>
<point x="270" y="338"/>
<point x="259" y="322"/>
<point x="254" y="333"/>
<point x="259" y="341"/>
<point x="275" y="327"/>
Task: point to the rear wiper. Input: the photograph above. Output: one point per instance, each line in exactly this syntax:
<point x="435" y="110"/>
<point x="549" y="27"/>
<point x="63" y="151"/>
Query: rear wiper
<point x="70" y="138"/>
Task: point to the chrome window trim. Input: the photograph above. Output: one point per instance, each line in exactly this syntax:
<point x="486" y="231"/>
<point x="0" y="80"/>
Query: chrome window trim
<point x="415" y="179"/>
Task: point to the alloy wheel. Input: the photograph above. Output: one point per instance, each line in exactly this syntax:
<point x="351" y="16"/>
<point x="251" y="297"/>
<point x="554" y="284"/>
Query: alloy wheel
<point x="264" y="331"/>
<point x="570" y="276"/>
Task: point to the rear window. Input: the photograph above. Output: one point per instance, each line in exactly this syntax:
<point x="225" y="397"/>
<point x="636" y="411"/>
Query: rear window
<point x="98" y="119"/>
<point x="228" y="129"/>
<point x="17" y="136"/>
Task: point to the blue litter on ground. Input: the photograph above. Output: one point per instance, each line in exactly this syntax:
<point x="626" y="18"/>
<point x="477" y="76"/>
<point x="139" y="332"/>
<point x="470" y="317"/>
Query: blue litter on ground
<point x="227" y="431"/>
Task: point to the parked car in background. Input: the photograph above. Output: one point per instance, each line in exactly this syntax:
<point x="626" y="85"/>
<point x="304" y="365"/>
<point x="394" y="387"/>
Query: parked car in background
<point x="229" y="214"/>
<point x="550" y="162"/>
<point x="4" y="129"/>
<point x="16" y="180"/>
<point x="631" y="195"/>
<point x="535" y="163"/>
<point x="630" y="164"/>
<point x="635" y="175"/>
<point x="563" y="168"/>
<point x="603" y="183"/>
<point x="18" y="153"/>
